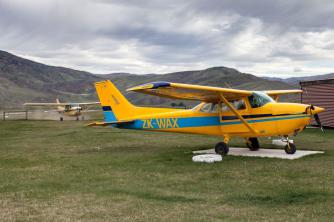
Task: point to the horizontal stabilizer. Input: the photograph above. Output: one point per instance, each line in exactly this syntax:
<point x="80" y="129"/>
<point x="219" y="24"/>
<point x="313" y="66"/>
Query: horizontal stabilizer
<point x="110" y="123"/>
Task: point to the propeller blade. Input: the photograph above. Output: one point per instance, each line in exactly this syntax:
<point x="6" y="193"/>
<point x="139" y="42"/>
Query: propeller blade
<point x="317" y="119"/>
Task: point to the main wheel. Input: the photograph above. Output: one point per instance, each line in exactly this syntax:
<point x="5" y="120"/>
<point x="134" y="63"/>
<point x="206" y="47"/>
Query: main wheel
<point x="253" y="143"/>
<point x="221" y="148"/>
<point x="61" y="119"/>
<point x="290" y="148"/>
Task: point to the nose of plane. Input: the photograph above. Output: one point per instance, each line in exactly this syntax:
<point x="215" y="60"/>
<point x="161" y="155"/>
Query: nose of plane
<point x="317" y="109"/>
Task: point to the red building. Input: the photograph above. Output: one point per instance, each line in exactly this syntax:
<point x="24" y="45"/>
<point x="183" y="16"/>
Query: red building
<point x="320" y="93"/>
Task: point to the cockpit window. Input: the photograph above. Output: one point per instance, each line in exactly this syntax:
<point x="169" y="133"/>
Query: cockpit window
<point x="258" y="99"/>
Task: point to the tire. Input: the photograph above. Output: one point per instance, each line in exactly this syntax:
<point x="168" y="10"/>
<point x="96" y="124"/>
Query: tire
<point x="290" y="149"/>
<point x="253" y="144"/>
<point x="221" y="148"/>
<point x="61" y="118"/>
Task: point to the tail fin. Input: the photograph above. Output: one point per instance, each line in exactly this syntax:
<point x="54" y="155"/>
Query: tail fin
<point x="59" y="107"/>
<point x="115" y="106"/>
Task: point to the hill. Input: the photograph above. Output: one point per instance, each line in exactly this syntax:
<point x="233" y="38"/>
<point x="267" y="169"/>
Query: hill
<point x="23" y="80"/>
<point x="294" y="81"/>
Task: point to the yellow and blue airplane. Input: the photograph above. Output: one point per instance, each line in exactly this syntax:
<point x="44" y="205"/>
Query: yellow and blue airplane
<point x="222" y="112"/>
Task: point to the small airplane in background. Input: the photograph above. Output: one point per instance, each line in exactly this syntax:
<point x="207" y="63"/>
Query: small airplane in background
<point x="66" y="109"/>
<point x="222" y="112"/>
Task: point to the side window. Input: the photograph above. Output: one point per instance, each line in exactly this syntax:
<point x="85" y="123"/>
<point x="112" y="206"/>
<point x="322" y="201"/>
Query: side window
<point x="206" y="108"/>
<point x="209" y="108"/>
<point x="237" y="104"/>
<point x="214" y="108"/>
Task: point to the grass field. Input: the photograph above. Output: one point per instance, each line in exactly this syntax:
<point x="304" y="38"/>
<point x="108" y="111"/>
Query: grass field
<point x="63" y="171"/>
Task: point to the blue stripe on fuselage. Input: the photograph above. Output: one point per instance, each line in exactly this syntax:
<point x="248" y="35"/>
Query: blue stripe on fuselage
<point x="184" y="122"/>
<point x="266" y="120"/>
<point x="181" y="122"/>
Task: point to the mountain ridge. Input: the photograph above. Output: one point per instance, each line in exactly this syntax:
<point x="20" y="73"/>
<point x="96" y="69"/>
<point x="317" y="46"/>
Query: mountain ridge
<point x="23" y="80"/>
<point x="294" y="81"/>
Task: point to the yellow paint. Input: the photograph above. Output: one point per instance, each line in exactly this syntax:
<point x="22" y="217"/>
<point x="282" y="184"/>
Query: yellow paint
<point x="288" y="118"/>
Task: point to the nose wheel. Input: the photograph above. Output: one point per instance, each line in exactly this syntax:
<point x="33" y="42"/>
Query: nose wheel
<point x="289" y="148"/>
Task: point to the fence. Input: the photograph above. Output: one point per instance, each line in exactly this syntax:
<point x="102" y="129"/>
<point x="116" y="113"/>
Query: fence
<point x="46" y="115"/>
<point x="15" y="115"/>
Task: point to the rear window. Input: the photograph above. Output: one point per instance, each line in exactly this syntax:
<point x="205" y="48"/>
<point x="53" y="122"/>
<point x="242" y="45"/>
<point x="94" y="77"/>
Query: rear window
<point x="209" y="108"/>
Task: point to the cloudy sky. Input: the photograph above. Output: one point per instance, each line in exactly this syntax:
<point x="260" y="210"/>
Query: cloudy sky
<point x="264" y="37"/>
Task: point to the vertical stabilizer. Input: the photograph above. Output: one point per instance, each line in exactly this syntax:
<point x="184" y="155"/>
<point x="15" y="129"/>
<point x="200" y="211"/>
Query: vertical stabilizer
<point x="59" y="108"/>
<point x="115" y="106"/>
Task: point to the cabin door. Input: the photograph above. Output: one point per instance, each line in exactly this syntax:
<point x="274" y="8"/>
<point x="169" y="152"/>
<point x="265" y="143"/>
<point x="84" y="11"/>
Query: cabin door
<point x="229" y="122"/>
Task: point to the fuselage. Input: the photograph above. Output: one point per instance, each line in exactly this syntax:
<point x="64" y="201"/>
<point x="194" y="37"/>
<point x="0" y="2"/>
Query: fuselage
<point x="269" y="118"/>
<point x="70" y="110"/>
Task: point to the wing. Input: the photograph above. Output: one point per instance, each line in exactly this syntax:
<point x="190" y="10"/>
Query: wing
<point x="282" y="92"/>
<point x="46" y="104"/>
<point x="189" y="92"/>
<point x="60" y="104"/>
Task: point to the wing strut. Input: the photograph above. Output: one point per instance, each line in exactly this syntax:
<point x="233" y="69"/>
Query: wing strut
<point x="237" y="114"/>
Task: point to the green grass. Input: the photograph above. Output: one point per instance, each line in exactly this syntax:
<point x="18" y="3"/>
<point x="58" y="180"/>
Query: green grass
<point x="65" y="171"/>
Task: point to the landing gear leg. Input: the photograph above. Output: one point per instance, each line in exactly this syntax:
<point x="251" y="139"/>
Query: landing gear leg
<point x="290" y="148"/>
<point x="222" y="147"/>
<point x="253" y="143"/>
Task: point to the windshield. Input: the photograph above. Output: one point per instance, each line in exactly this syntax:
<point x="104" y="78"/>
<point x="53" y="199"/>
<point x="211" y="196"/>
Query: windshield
<point x="258" y="99"/>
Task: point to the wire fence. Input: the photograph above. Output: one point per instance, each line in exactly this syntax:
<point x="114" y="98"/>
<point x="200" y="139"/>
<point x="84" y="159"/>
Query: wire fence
<point x="7" y="115"/>
<point x="15" y="115"/>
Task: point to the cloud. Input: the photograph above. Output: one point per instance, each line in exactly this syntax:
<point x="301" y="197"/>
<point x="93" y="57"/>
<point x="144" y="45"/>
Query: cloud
<point x="145" y="36"/>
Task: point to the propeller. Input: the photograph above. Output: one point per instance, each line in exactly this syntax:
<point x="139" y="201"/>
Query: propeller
<point x="316" y="117"/>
